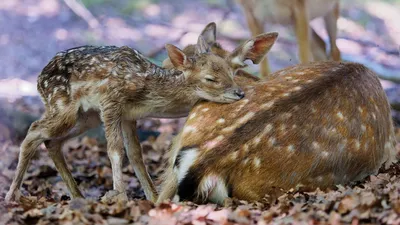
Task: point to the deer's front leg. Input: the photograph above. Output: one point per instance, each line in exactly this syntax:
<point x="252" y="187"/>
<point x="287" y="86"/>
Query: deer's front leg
<point x="115" y="148"/>
<point x="134" y="153"/>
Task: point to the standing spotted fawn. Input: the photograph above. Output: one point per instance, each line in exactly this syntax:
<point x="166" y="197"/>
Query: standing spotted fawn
<point x="297" y="13"/>
<point x="85" y="86"/>
<point x="309" y="126"/>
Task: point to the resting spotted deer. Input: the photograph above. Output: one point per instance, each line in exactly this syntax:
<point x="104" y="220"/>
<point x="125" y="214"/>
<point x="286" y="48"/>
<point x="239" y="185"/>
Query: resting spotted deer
<point x="297" y="13"/>
<point x="84" y="86"/>
<point x="309" y="126"/>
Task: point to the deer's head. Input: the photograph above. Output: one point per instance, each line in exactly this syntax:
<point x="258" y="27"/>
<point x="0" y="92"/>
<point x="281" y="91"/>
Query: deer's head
<point x="210" y="69"/>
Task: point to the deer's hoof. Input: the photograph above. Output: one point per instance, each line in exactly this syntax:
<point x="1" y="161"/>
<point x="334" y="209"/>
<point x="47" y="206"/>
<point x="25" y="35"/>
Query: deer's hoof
<point x="114" y="196"/>
<point x="13" y="196"/>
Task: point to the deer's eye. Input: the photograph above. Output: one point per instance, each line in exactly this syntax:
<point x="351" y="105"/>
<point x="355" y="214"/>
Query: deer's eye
<point x="210" y="79"/>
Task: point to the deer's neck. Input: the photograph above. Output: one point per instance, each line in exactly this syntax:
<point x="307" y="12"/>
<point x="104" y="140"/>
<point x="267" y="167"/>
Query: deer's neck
<point x="143" y="67"/>
<point x="164" y="97"/>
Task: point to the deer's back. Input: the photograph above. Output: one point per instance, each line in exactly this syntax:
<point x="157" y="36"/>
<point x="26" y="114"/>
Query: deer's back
<point x="313" y="125"/>
<point x="89" y="70"/>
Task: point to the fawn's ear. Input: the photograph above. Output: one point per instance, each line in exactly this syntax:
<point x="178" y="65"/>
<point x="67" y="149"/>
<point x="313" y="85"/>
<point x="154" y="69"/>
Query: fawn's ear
<point x="253" y="49"/>
<point x="209" y="33"/>
<point x="202" y="46"/>
<point x="177" y="57"/>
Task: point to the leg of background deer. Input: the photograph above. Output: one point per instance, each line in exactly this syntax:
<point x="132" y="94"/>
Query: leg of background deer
<point x="318" y="47"/>
<point x="331" y="27"/>
<point x="28" y="148"/>
<point x="115" y="148"/>
<point x="256" y="28"/>
<point x="134" y="152"/>
<point x="302" y="30"/>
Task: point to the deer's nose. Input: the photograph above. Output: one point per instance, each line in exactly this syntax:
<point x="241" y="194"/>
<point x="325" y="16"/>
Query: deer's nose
<point x="239" y="93"/>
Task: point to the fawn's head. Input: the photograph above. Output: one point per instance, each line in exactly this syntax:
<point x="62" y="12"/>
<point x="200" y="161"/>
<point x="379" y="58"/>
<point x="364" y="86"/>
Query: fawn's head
<point x="210" y="69"/>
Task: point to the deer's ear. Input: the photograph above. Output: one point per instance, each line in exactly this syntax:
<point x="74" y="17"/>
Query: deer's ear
<point x="202" y="46"/>
<point x="177" y="57"/>
<point x="254" y="49"/>
<point x="209" y="33"/>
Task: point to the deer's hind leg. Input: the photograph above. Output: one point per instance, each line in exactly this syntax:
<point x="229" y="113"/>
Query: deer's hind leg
<point x="27" y="150"/>
<point x="52" y="125"/>
<point x="84" y="122"/>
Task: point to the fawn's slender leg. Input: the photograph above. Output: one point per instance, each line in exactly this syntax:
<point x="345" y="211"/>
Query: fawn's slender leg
<point x="28" y="148"/>
<point x="111" y="117"/>
<point x="55" y="153"/>
<point x="318" y="47"/>
<point x="331" y="27"/>
<point x="85" y="122"/>
<point x="134" y="152"/>
<point x="256" y="27"/>
<point x="302" y="30"/>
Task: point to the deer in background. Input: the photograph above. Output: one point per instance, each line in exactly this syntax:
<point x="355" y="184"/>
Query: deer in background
<point x="297" y="13"/>
<point x="84" y="86"/>
<point x="309" y="126"/>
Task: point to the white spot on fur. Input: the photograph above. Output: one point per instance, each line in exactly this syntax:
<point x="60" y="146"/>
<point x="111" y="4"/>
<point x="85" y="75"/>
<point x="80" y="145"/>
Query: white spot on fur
<point x="55" y="90"/>
<point x="325" y="154"/>
<point x="309" y="81"/>
<point x="188" y="129"/>
<point x="234" y="155"/>
<point x="267" y="105"/>
<point x="316" y="145"/>
<point x="187" y="160"/>
<point x="246" y="161"/>
<point x="363" y="128"/>
<point x="286" y="94"/>
<point x="271" y="141"/>
<point x="360" y="109"/>
<point x="256" y="140"/>
<point x="214" y="142"/>
<point x="373" y="116"/>
<point x="58" y="78"/>
<point x="295" y="80"/>
<point x="298" y="88"/>
<point x="46" y="83"/>
<point x="257" y="162"/>
<point x="193" y="115"/>
<point x="60" y="104"/>
<point x="205" y="109"/>
<point x="221" y="120"/>
<point x="239" y="122"/>
<point x="290" y="148"/>
<point x="246" y="147"/>
<point x="357" y="145"/>
<point x="340" y="115"/>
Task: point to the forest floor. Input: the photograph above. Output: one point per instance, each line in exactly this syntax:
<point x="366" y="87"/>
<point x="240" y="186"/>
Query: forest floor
<point x="34" y="30"/>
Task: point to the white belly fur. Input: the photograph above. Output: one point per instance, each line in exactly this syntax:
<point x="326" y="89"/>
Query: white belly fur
<point x="281" y="11"/>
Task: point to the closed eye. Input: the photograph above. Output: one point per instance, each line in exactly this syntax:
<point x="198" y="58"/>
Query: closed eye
<point x="210" y="78"/>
